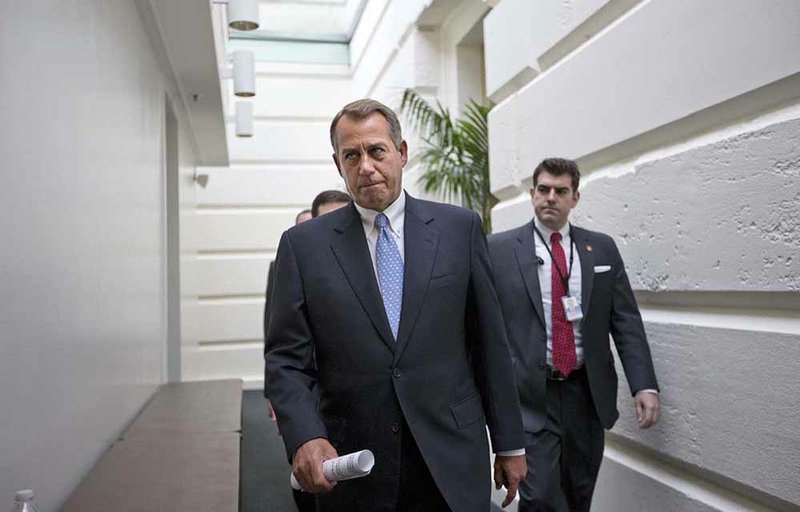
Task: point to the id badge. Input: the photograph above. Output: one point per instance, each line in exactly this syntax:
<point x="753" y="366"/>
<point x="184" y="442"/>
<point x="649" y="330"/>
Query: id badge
<point x="572" y="310"/>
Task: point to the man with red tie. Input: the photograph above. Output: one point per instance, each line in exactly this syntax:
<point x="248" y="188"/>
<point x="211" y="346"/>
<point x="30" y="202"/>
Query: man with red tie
<point x="563" y="290"/>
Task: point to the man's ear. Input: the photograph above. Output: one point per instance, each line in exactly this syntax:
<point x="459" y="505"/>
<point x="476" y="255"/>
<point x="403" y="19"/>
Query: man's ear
<point x="336" y="161"/>
<point x="577" y="197"/>
<point x="403" y="152"/>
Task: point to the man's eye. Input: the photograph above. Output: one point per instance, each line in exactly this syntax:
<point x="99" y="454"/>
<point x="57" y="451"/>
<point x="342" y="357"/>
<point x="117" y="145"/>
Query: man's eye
<point x="543" y="190"/>
<point x="350" y="156"/>
<point x="378" y="151"/>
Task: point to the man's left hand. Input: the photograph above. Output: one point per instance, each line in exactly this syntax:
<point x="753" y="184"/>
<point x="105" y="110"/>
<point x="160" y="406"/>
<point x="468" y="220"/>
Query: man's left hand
<point x="647" y="408"/>
<point x="509" y="472"/>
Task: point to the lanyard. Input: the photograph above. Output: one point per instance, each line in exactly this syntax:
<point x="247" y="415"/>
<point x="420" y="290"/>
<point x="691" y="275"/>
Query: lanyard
<point x="564" y="280"/>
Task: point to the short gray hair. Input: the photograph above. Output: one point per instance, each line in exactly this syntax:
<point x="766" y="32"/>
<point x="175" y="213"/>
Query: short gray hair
<point x="362" y="109"/>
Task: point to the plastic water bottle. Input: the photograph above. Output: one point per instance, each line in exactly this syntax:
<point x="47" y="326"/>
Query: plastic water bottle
<point x="23" y="502"/>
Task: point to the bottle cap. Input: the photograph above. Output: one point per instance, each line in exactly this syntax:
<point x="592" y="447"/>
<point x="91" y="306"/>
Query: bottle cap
<point x="24" y="495"/>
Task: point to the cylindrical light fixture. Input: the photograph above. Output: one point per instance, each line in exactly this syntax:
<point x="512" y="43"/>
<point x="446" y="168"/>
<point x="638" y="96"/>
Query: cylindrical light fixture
<point x="243" y="14"/>
<point x="244" y="119"/>
<point x="244" y="79"/>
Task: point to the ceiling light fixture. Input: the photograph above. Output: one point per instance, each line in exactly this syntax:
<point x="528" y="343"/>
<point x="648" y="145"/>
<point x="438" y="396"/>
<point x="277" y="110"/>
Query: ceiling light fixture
<point x="242" y="14"/>
<point x="244" y="119"/>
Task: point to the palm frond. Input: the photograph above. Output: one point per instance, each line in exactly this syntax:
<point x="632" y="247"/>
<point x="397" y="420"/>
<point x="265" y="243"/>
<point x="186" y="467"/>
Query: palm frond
<point x="454" y="154"/>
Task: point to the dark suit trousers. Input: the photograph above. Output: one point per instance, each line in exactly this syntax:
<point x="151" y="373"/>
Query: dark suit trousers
<point x="564" y="457"/>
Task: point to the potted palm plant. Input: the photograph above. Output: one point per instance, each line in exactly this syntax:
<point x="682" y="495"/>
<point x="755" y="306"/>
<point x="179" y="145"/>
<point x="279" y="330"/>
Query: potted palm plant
<point x="454" y="153"/>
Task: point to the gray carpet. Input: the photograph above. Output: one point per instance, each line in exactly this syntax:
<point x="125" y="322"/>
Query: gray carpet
<point x="264" y="471"/>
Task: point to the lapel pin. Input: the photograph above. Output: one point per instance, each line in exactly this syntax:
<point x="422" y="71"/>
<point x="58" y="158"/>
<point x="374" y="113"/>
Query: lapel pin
<point x="588" y="248"/>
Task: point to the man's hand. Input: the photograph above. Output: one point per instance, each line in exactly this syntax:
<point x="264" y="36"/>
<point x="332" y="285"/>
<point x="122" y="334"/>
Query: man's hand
<point x="647" y="408"/>
<point x="307" y="465"/>
<point x="271" y="411"/>
<point x="509" y="472"/>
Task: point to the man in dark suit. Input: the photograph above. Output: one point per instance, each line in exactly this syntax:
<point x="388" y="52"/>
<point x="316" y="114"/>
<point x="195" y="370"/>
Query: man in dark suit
<point x="386" y="334"/>
<point x="563" y="290"/>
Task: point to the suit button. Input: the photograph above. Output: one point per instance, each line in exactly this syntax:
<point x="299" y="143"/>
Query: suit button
<point x="396" y="428"/>
<point x="396" y="373"/>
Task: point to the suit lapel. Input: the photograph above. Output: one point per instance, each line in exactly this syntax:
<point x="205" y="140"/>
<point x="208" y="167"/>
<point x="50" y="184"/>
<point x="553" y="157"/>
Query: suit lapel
<point x="585" y="251"/>
<point x="352" y="253"/>
<point x="420" y="244"/>
<point x="526" y="257"/>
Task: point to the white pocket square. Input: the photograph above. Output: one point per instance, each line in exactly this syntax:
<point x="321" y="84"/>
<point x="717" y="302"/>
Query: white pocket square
<point x="602" y="268"/>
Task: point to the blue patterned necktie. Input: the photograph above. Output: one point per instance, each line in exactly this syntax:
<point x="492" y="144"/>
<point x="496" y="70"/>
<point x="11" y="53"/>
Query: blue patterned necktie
<point x="390" y="272"/>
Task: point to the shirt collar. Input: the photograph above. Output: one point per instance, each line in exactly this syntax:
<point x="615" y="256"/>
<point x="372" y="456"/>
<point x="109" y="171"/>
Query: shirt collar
<point x="546" y="232"/>
<point x="395" y="212"/>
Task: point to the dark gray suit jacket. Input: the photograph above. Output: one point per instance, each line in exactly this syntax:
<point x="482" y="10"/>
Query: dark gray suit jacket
<point x="608" y="305"/>
<point x="448" y="374"/>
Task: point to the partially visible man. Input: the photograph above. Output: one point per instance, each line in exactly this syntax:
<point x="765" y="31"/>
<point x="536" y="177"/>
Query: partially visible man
<point x="328" y="201"/>
<point x="563" y="290"/>
<point x="386" y="334"/>
<point x="303" y="216"/>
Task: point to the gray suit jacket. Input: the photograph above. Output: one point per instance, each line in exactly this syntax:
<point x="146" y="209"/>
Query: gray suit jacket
<point x="608" y="305"/>
<point x="448" y="375"/>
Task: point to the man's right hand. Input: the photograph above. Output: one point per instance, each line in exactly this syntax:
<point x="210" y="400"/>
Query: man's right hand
<point x="271" y="411"/>
<point x="307" y="465"/>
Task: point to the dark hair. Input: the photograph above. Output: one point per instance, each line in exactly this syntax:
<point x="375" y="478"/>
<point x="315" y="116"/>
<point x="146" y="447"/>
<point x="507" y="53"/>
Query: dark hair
<point x="362" y="109"/>
<point x="558" y="167"/>
<point x="307" y="210"/>
<point x="328" y="197"/>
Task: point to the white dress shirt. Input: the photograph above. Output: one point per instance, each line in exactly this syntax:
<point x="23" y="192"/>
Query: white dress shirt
<point x="546" y="286"/>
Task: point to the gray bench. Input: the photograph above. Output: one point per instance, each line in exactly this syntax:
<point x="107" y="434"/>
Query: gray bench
<point x="180" y="454"/>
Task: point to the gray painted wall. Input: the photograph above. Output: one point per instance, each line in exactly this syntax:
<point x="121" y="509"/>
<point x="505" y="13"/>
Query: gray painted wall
<point x="82" y="316"/>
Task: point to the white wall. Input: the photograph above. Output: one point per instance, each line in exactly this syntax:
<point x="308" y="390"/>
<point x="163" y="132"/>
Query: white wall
<point x="685" y="119"/>
<point x="82" y="320"/>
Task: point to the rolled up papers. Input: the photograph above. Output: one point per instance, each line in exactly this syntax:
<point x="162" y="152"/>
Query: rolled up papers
<point x="346" y="467"/>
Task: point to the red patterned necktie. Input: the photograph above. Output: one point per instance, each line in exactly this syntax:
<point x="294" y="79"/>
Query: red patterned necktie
<point x="563" y="336"/>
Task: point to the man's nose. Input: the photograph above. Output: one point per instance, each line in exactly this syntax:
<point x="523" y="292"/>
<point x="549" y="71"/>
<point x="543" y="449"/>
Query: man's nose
<point x="551" y="196"/>
<point x="366" y="165"/>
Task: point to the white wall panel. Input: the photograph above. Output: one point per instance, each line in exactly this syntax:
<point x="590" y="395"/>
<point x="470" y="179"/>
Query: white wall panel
<point x="504" y="164"/>
<point x="581" y="106"/>
<point x="714" y="399"/>
<point x="241" y="230"/>
<point x="293" y="96"/>
<point x="287" y="185"/>
<point x="523" y="38"/>
<point x="236" y="360"/>
<point x="508" y="43"/>
<point x="512" y="213"/>
<point x="233" y="275"/>
<point x="289" y="141"/>
<point x="230" y="320"/>
<point x="381" y="43"/>
<point x="682" y="231"/>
